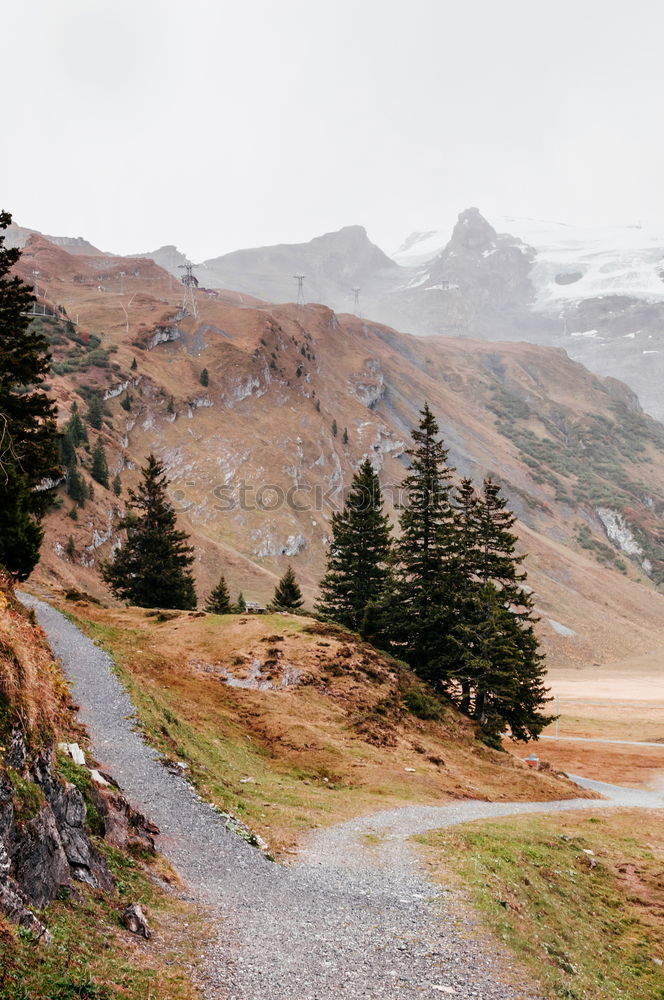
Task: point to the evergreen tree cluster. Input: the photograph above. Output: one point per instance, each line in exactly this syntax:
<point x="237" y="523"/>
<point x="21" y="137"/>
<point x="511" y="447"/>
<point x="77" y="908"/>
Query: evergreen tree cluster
<point x="448" y="596"/>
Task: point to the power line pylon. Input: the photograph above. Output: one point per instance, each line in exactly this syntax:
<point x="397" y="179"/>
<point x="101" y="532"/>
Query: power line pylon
<point x="356" y="302"/>
<point x="188" y="298"/>
<point x="300" y="288"/>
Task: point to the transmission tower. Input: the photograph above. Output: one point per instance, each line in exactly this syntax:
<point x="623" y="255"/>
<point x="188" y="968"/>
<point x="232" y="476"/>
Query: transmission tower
<point x="356" y="302"/>
<point x="300" y="288"/>
<point x="188" y="298"/>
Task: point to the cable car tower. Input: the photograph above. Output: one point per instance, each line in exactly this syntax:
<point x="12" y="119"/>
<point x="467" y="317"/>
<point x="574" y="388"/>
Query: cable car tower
<point x="300" y="288"/>
<point x="356" y="302"/>
<point x="188" y="297"/>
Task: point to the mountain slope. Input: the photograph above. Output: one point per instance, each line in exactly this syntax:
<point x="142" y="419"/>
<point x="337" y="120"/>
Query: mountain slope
<point x="257" y="469"/>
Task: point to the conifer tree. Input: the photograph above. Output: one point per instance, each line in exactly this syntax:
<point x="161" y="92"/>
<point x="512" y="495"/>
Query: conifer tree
<point x="359" y="551"/>
<point x="240" y="605"/>
<point x="287" y="594"/>
<point x="423" y="587"/>
<point x="494" y="668"/>
<point x="134" y="364"/>
<point x="95" y="411"/>
<point x="99" y="469"/>
<point x="117" y="484"/>
<point x="76" y="486"/>
<point x="204" y="377"/>
<point x="75" y="427"/>
<point x="219" y="601"/>
<point x="152" y="568"/>
<point x="29" y="465"/>
<point x="344" y="436"/>
<point x="335" y="429"/>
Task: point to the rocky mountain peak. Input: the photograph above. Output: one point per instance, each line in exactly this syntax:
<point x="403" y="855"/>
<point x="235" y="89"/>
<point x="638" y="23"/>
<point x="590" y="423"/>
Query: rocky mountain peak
<point x="472" y="231"/>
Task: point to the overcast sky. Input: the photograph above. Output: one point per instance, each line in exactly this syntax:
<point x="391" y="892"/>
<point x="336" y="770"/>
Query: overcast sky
<point x="217" y="125"/>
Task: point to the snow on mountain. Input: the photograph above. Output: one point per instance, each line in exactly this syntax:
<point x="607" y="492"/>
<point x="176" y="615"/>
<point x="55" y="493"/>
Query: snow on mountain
<point x="575" y="262"/>
<point x="572" y="262"/>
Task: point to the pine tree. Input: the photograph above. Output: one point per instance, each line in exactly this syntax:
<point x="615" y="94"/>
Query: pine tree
<point x="95" y="411"/>
<point x="287" y="593"/>
<point x="151" y="569"/>
<point x="357" y="560"/>
<point x="335" y="429"/>
<point x="117" y="484"/>
<point x="99" y="469"/>
<point x="134" y="364"/>
<point x="424" y="585"/>
<point x="240" y="605"/>
<point x="76" y="488"/>
<point x="70" y="547"/>
<point x="75" y="427"/>
<point x="495" y="670"/>
<point x="29" y="466"/>
<point x="204" y="377"/>
<point x="344" y="437"/>
<point x="219" y="601"/>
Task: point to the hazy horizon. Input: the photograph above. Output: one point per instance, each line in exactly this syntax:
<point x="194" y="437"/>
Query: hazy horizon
<point x="219" y="126"/>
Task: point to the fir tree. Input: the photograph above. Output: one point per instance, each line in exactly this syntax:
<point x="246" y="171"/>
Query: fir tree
<point x="240" y="605"/>
<point x="70" y="547"/>
<point x="75" y="427"/>
<point x="29" y="465"/>
<point x="344" y="438"/>
<point x="357" y="560"/>
<point x="76" y="486"/>
<point x="95" y="411"/>
<point x="134" y="364"/>
<point x="219" y="602"/>
<point x="335" y="429"/>
<point x="99" y="469"/>
<point x="117" y="484"/>
<point x="494" y="667"/>
<point x="204" y="377"/>
<point x="287" y="593"/>
<point x="422" y="605"/>
<point x="152" y="569"/>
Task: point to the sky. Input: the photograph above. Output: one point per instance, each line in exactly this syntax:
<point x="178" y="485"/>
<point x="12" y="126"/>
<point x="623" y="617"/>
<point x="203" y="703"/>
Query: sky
<point x="217" y="125"/>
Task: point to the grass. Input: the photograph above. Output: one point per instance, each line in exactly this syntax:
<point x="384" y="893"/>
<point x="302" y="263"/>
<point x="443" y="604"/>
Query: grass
<point x="341" y="743"/>
<point x="93" y="956"/>
<point x="580" y="899"/>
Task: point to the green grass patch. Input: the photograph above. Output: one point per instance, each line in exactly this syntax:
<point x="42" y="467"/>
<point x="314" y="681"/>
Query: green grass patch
<point x="93" y="957"/>
<point x="578" y="898"/>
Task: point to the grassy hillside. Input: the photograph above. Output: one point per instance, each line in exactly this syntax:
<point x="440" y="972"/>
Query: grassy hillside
<point x="578" y="897"/>
<point x="289" y="724"/>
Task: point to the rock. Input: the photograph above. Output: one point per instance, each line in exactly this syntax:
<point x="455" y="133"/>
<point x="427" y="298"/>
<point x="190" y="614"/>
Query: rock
<point x="39" y="862"/>
<point x="98" y="778"/>
<point x="16" y="753"/>
<point x="135" y="920"/>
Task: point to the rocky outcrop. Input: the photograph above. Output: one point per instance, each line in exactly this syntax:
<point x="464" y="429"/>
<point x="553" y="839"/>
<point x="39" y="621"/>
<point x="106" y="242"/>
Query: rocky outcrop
<point x="45" y="837"/>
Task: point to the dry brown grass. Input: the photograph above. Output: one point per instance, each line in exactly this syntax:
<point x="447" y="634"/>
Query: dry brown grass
<point x="338" y="743"/>
<point x="33" y="693"/>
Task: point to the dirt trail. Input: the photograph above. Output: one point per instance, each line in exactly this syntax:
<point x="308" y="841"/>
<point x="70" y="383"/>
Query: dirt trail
<point x="353" y="918"/>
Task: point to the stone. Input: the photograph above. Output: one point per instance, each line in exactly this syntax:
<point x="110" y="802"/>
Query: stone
<point x="135" y="920"/>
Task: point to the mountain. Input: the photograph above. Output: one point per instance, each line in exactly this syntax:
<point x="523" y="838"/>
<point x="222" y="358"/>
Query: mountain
<point x="333" y="265"/>
<point x="599" y="293"/>
<point x="257" y="468"/>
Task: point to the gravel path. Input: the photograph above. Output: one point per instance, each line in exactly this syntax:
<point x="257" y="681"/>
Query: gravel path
<point x="353" y="918"/>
